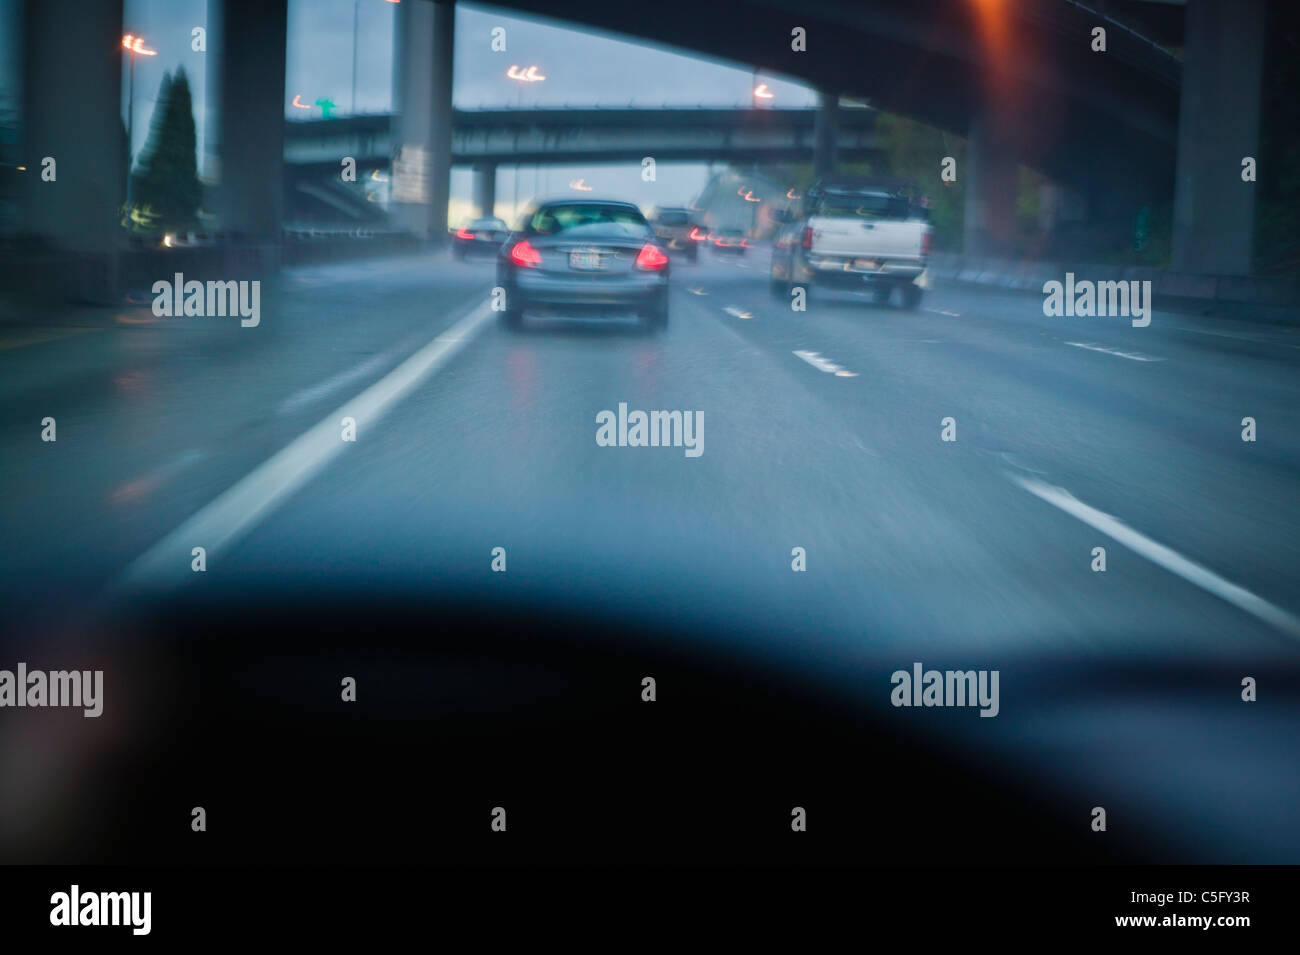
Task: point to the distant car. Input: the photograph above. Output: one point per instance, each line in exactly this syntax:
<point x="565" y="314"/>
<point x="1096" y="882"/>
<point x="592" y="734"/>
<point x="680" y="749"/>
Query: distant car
<point x="730" y="241"/>
<point x="480" y="235"/>
<point x="584" y="256"/>
<point x="678" y="232"/>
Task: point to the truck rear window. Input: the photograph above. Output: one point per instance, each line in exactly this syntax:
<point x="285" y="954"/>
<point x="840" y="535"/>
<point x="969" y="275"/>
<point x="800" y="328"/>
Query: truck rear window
<point x="863" y="207"/>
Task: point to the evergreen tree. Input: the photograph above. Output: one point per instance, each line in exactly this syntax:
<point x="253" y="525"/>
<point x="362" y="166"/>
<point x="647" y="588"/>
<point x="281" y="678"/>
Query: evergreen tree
<point x="166" y="178"/>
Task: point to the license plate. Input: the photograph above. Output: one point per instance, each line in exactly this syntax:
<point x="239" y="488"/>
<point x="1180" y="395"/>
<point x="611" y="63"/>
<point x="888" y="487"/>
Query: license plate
<point x="865" y="264"/>
<point x="585" y="259"/>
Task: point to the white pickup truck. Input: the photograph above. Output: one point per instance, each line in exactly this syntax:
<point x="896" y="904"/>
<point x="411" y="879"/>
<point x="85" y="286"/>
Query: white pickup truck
<point x="852" y="235"/>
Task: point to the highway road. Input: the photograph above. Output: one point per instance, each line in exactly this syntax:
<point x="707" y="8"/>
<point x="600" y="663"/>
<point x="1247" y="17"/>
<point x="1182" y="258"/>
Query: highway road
<point x="822" y="431"/>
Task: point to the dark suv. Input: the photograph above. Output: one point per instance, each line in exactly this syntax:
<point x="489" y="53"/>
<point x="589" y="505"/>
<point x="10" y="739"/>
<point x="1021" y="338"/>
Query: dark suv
<point x="677" y="231"/>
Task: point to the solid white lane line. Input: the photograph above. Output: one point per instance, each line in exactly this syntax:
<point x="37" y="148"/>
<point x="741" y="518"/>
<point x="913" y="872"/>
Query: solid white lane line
<point x="240" y="508"/>
<point x="1162" y="556"/>
<point x="1131" y="356"/>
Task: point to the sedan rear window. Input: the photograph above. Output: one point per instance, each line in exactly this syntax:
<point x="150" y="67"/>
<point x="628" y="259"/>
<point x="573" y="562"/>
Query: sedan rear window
<point x="554" y="219"/>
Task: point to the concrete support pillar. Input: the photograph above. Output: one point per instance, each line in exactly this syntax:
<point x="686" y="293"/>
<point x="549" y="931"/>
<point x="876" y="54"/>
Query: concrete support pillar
<point x="485" y="189"/>
<point x="826" y="133"/>
<point x="1218" y="126"/>
<point x="251" y="122"/>
<point x="72" y="114"/>
<point x="992" y="179"/>
<point x="1050" y="197"/>
<point x="423" y="50"/>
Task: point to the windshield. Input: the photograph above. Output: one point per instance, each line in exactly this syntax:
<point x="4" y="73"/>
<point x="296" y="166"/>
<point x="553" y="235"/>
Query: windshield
<point x="371" y="329"/>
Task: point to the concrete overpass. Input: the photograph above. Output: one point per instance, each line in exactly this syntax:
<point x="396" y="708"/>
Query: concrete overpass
<point x="486" y="139"/>
<point x="531" y="136"/>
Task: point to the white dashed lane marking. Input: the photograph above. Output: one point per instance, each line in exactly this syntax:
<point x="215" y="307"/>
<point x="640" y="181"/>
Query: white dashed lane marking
<point x="824" y="364"/>
<point x="1131" y="356"/>
<point x="301" y="399"/>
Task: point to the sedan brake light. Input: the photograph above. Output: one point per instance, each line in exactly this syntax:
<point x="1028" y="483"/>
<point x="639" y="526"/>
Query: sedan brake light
<point x="464" y="233"/>
<point x="651" y="258"/>
<point x="696" y="234"/>
<point x="524" y="254"/>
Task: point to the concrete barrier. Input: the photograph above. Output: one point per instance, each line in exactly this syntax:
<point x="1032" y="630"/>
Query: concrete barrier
<point x="1280" y="292"/>
<point x="34" y="279"/>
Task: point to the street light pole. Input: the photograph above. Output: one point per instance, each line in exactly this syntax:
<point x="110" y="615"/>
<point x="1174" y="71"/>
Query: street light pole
<point x="530" y="75"/>
<point x="133" y="45"/>
<point x="130" y="125"/>
<point x="355" y="5"/>
<point x="519" y="101"/>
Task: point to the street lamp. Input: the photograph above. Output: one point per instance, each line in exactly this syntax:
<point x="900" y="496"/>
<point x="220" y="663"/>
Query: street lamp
<point x="134" y="46"/>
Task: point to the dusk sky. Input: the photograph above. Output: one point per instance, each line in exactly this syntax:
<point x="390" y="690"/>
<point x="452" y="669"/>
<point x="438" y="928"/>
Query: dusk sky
<point x="581" y="69"/>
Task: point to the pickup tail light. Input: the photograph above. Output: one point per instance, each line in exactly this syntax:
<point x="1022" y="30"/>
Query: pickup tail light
<point x="651" y="259"/>
<point x="807" y="237"/>
<point x="524" y="254"/>
<point x="927" y="239"/>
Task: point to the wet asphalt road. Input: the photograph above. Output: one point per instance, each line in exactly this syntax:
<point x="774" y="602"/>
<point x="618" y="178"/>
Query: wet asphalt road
<point x="822" y="431"/>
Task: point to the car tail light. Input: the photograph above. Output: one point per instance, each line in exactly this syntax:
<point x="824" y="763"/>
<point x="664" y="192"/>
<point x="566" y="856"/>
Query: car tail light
<point x="807" y="237"/>
<point x="927" y="239"/>
<point x="651" y="258"/>
<point x="464" y="233"/>
<point x="745" y="244"/>
<point x="524" y="254"/>
<point x="696" y="234"/>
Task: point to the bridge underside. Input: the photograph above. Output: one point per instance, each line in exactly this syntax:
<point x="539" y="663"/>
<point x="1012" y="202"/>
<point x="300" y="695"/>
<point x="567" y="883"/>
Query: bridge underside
<point x="1077" y="118"/>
